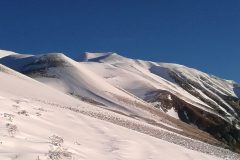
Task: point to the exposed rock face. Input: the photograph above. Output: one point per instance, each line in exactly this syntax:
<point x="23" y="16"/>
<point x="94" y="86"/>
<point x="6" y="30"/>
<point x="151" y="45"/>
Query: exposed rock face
<point x="46" y="61"/>
<point x="219" y="127"/>
<point x="220" y="95"/>
<point x="190" y="86"/>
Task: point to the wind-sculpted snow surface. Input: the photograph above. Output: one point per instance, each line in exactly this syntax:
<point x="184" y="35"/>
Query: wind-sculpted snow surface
<point x="66" y="75"/>
<point x="169" y="97"/>
<point x="66" y="134"/>
<point x="4" y="53"/>
<point x="202" y="100"/>
<point x="57" y="126"/>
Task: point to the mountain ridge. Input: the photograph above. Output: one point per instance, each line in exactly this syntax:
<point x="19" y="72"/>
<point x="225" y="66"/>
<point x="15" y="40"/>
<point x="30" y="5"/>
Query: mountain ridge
<point x="141" y="89"/>
<point x="68" y="128"/>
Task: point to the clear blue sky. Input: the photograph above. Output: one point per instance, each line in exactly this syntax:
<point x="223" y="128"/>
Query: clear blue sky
<point x="204" y="34"/>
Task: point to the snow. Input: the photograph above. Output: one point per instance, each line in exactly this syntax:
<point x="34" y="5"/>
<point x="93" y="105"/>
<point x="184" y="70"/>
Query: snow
<point x="220" y="85"/>
<point x="106" y="81"/>
<point x="141" y="77"/>
<point x="117" y="130"/>
<point x="74" y="78"/>
<point x="169" y="97"/>
<point x="171" y="112"/>
<point x="4" y="53"/>
<point x="16" y="61"/>
<point x="92" y="56"/>
<point x="83" y="137"/>
<point x="135" y="77"/>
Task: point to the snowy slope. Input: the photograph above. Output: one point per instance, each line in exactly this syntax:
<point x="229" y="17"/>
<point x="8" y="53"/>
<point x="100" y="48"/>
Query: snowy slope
<point x="70" y="77"/>
<point x="217" y="93"/>
<point x="135" y="76"/>
<point x="4" y="53"/>
<point x="88" y="80"/>
<point x="133" y="87"/>
<point x="220" y="85"/>
<point x="195" y="93"/>
<point x="66" y="128"/>
<point x="125" y="72"/>
<point x="66" y="75"/>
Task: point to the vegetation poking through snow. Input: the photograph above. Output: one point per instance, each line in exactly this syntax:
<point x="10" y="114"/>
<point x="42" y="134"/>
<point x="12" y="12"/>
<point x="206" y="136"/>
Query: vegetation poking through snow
<point x="57" y="153"/>
<point x="12" y="129"/>
<point x="57" y="150"/>
<point x="56" y="140"/>
<point x="8" y="116"/>
<point x="23" y="112"/>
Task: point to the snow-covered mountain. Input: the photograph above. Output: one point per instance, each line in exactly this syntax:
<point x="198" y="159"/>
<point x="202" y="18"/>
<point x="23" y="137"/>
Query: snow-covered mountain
<point x="206" y="101"/>
<point x="90" y="107"/>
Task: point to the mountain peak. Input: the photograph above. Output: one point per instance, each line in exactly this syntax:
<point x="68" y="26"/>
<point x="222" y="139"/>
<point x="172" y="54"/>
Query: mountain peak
<point x="103" y="57"/>
<point x="4" y="53"/>
<point x="91" y="55"/>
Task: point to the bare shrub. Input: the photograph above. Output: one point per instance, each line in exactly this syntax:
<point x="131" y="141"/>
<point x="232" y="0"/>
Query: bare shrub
<point x="59" y="153"/>
<point x="12" y="129"/>
<point x="8" y="116"/>
<point x="38" y="114"/>
<point x="56" y="140"/>
<point x="23" y="112"/>
<point x="15" y="106"/>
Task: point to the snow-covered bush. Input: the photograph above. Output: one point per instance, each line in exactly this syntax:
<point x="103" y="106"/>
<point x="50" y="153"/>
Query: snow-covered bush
<point x="56" y="140"/>
<point x="12" y="129"/>
<point x="23" y="112"/>
<point x="59" y="153"/>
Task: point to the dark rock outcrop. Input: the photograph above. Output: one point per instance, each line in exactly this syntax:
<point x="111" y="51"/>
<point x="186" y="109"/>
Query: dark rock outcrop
<point x="193" y="115"/>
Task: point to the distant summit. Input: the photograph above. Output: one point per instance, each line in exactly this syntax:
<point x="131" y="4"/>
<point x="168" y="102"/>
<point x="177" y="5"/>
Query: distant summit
<point x="4" y="53"/>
